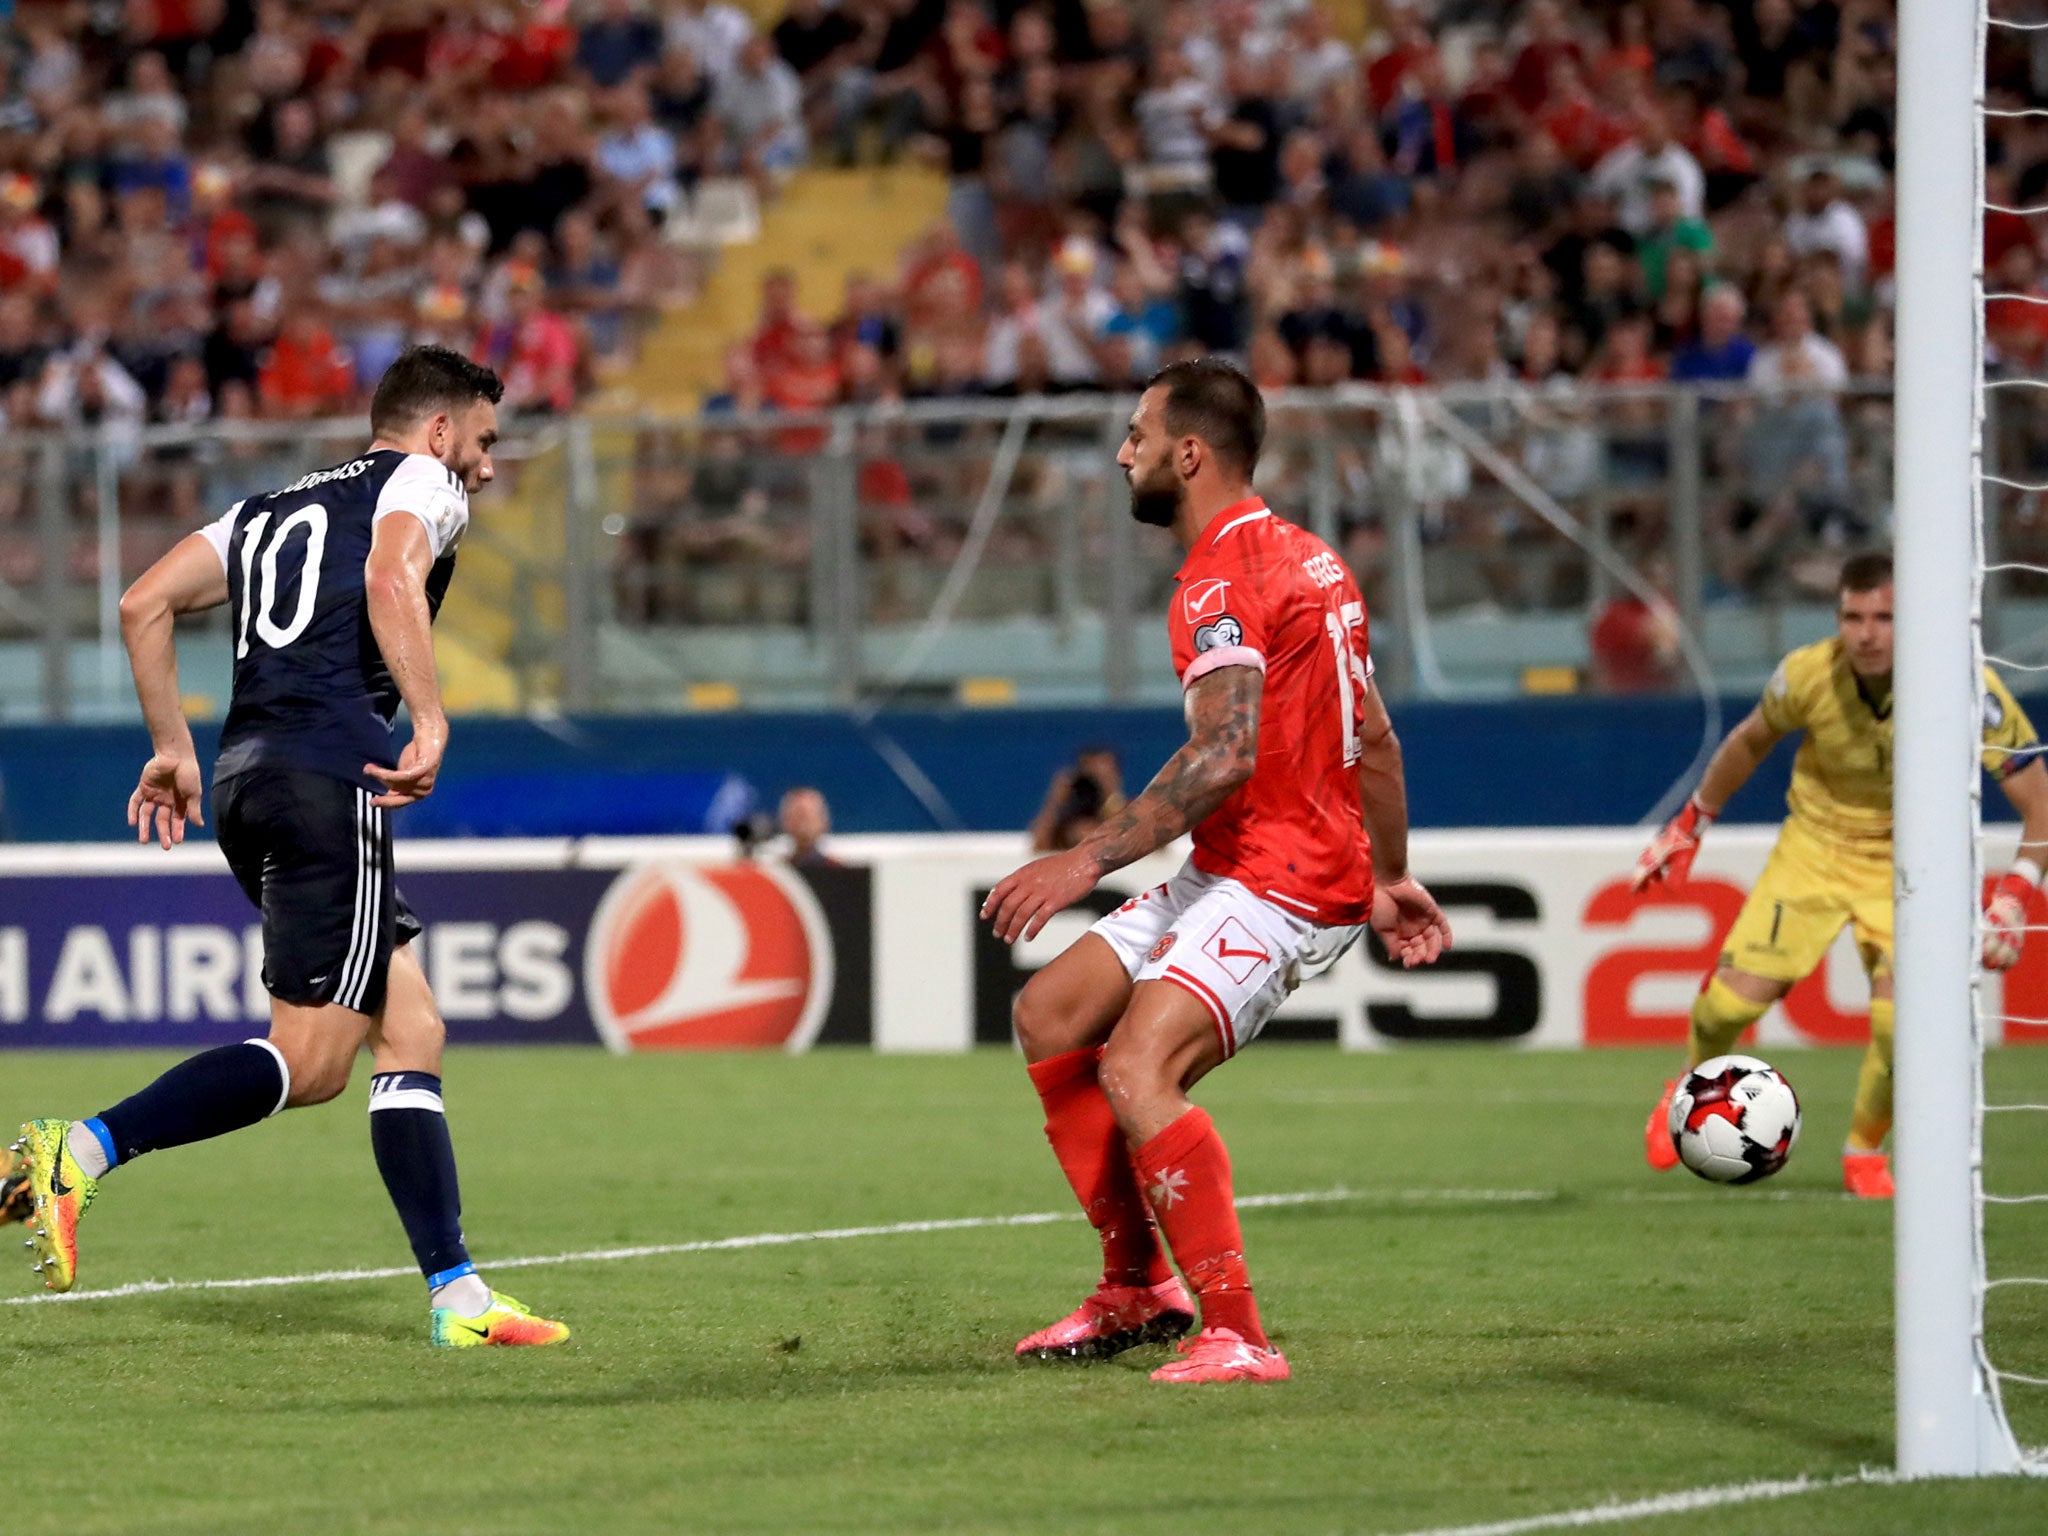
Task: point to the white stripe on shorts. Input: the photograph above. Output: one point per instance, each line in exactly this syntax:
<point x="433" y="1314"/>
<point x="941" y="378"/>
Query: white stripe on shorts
<point x="355" y="925"/>
<point x="362" y="956"/>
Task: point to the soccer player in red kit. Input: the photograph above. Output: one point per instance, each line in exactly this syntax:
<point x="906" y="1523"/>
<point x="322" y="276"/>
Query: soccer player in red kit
<point x="1290" y="763"/>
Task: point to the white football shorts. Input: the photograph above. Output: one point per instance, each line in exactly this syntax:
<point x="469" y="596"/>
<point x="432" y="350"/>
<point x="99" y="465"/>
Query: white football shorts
<point x="1239" y="954"/>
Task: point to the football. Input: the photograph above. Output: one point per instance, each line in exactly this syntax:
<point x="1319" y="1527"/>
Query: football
<point x="1734" y="1120"/>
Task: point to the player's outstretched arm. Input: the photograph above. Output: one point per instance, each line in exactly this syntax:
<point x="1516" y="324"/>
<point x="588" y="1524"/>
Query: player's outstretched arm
<point x="1671" y="851"/>
<point x="1221" y="752"/>
<point x="395" y="585"/>
<point x="1404" y="914"/>
<point x="2005" y="907"/>
<point x="188" y="579"/>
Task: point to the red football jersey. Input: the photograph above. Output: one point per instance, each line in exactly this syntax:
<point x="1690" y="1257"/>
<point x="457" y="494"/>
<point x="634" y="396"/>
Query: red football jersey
<point x="1259" y="591"/>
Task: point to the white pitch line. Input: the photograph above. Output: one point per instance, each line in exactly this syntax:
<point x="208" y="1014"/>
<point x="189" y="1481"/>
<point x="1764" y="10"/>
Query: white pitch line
<point x="777" y="1240"/>
<point x="1682" y="1503"/>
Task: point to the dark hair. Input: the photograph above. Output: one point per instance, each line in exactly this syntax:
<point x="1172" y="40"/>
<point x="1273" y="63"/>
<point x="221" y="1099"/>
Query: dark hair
<point x="1865" y="573"/>
<point x="1211" y="399"/>
<point x="426" y="380"/>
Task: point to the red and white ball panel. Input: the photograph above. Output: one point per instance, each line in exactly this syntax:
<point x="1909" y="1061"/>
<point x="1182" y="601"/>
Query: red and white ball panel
<point x="1734" y="1120"/>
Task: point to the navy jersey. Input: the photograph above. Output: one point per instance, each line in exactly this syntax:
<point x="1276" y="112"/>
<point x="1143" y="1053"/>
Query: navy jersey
<point x="311" y="689"/>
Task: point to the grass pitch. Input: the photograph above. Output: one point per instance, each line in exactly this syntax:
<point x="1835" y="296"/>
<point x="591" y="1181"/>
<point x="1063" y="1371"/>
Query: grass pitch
<point x="1512" y="1316"/>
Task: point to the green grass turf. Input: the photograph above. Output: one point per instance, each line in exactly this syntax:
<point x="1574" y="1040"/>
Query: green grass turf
<point x="1455" y="1360"/>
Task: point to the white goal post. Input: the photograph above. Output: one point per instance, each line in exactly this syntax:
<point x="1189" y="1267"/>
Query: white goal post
<point x="1950" y="1421"/>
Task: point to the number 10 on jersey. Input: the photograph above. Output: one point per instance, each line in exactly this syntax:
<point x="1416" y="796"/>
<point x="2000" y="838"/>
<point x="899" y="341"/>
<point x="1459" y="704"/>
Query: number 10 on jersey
<point x="314" y="520"/>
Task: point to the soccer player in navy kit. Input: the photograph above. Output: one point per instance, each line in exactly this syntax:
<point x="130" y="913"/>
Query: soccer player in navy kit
<point x="332" y="585"/>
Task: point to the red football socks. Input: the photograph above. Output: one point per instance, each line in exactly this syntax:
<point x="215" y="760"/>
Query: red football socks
<point x="1091" y="1150"/>
<point x="1186" y="1174"/>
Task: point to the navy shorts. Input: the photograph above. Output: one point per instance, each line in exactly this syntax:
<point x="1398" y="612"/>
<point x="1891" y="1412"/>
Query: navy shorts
<point x="315" y="856"/>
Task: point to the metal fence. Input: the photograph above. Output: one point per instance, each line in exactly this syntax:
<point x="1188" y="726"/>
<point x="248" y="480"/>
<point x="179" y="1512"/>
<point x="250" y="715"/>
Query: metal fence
<point x="981" y="550"/>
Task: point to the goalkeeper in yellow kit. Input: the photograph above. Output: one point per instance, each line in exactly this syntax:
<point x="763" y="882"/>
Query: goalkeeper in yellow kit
<point x="1833" y="861"/>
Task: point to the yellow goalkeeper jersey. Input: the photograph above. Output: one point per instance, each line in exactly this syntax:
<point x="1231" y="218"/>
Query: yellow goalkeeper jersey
<point x="1842" y="777"/>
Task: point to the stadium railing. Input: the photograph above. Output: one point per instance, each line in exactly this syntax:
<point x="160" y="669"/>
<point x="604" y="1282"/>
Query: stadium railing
<point x="978" y="551"/>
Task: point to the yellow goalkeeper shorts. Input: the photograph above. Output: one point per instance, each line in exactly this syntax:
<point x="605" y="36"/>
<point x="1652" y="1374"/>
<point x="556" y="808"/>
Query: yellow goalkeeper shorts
<point x="1808" y="890"/>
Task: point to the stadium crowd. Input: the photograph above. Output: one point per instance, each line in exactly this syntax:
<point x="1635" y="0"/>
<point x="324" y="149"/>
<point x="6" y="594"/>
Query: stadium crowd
<point x="246" y="208"/>
<point x="226" y="209"/>
<point x="1617" y="192"/>
<point x="1531" y="197"/>
<point x="1614" y="191"/>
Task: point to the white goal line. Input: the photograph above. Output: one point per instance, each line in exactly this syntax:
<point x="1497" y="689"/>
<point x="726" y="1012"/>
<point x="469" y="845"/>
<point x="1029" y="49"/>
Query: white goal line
<point x="1686" y="1502"/>
<point x="779" y="1240"/>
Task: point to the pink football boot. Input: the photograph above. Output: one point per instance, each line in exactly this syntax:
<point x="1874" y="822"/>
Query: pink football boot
<point x="1658" y="1148"/>
<point x="1217" y="1354"/>
<point x="1115" y="1318"/>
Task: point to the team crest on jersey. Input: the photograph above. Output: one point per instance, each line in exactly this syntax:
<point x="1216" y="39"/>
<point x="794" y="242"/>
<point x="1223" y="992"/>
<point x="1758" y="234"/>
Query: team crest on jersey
<point x="1225" y="631"/>
<point x="1994" y="711"/>
<point x="1159" y="950"/>
<point x="1204" y="599"/>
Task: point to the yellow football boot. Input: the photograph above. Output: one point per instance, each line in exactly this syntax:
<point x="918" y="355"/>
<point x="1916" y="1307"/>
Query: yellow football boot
<point x="507" y="1322"/>
<point x="59" y="1193"/>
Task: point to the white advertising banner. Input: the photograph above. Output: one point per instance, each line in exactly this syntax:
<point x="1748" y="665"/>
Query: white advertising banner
<point x="1552" y="949"/>
<point x="680" y="943"/>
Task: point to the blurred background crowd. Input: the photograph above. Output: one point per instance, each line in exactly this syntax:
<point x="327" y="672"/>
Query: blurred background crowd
<point x="246" y="206"/>
<point x="233" y="209"/>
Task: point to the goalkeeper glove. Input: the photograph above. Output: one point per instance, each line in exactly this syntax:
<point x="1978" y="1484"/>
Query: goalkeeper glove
<point x="1670" y="854"/>
<point x="2005" y="915"/>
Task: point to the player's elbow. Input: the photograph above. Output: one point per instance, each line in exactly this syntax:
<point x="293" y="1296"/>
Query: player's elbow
<point x="143" y="604"/>
<point x="386" y="590"/>
<point x="1381" y="748"/>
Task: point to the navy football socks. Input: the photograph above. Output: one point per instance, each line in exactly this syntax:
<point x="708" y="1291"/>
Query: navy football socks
<point x="409" y="1135"/>
<point x="208" y="1095"/>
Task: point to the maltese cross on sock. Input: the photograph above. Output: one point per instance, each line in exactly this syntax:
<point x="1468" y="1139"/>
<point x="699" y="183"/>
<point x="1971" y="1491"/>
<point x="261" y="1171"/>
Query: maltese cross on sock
<point x="1168" y="1191"/>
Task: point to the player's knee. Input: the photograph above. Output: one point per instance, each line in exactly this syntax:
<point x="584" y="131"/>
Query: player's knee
<point x="1044" y="1025"/>
<point x="317" y="1075"/>
<point x="1135" y="1072"/>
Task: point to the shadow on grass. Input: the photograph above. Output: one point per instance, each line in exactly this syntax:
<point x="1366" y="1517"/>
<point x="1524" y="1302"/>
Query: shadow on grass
<point x="301" y="1313"/>
<point x="486" y="1380"/>
<point x="1670" y="1380"/>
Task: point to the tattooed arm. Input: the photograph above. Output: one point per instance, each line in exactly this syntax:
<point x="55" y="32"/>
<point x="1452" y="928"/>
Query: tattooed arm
<point x="1221" y="751"/>
<point x="1220" y="754"/>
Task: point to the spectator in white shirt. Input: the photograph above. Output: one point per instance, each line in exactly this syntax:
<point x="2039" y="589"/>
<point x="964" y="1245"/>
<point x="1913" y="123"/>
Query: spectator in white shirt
<point x="638" y="155"/>
<point x="1796" y="354"/>
<point x="1175" y="115"/>
<point x="85" y="386"/>
<point x="1824" y="220"/>
<point x="758" y="108"/>
<point x="1316" y="58"/>
<point x="712" y="30"/>
<point x="1629" y="176"/>
<point x="1021" y="315"/>
<point x="1797" y="446"/>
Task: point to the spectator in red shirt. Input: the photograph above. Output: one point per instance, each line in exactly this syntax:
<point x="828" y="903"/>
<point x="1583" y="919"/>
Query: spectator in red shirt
<point x="417" y="174"/>
<point x="1625" y="356"/>
<point x="938" y="259"/>
<point x="1572" y="118"/>
<point x="307" y="373"/>
<point x="776" y="332"/>
<point x="1634" y="643"/>
<point x="1409" y="44"/>
<point x="1533" y="78"/>
<point x="1709" y="136"/>
<point x="535" y="350"/>
<point x="805" y="379"/>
